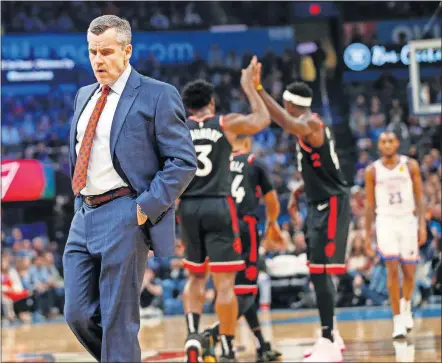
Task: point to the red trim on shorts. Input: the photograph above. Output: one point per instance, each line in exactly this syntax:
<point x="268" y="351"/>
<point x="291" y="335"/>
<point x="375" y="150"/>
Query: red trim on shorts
<point x="332" y="218"/>
<point x="237" y="245"/>
<point x="232" y="208"/>
<point x="244" y="289"/>
<point x="251" y="158"/>
<point x="196" y="268"/>
<point x="304" y="146"/>
<point x="335" y="269"/>
<point x="315" y="268"/>
<point x="201" y="119"/>
<point x="227" y="266"/>
<point x="251" y="221"/>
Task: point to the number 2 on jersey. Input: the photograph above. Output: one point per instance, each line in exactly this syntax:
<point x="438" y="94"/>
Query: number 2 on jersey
<point x="395" y="198"/>
<point x="203" y="152"/>
<point x="238" y="191"/>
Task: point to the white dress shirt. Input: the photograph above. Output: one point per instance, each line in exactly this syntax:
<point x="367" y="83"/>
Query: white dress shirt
<point x="101" y="175"/>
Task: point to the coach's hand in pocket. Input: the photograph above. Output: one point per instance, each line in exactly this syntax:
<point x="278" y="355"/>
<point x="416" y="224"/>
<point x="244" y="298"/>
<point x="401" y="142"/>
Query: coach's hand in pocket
<point x="141" y="217"/>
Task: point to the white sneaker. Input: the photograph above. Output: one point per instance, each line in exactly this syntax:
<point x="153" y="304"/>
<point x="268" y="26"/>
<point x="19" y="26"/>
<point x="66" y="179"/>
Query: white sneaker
<point x="399" y="330"/>
<point x="336" y="337"/>
<point x="325" y="350"/>
<point x="406" y="314"/>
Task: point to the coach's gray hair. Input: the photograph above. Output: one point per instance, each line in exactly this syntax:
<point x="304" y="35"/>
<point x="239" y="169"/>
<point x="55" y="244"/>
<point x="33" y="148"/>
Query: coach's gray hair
<point x="122" y="28"/>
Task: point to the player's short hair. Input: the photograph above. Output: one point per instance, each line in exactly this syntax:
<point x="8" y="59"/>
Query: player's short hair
<point x="122" y="28"/>
<point x="300" y="89"/>
<point x="197" y="94"/>
<point x="388" y="132"/>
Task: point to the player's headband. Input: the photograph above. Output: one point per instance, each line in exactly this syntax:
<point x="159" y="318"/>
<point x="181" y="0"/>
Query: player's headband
<point x="297" y="100"/>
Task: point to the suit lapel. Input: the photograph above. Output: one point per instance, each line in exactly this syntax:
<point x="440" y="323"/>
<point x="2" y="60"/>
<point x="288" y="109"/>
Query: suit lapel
<point x="82" y="101"/>
<point x="127" y="98"/>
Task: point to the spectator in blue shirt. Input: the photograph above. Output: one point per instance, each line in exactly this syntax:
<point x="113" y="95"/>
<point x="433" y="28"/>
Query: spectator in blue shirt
<point x="376" y="290"/>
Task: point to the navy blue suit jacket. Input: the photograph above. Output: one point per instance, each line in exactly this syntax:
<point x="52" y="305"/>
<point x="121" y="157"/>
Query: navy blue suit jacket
<point x="151" y="150"/>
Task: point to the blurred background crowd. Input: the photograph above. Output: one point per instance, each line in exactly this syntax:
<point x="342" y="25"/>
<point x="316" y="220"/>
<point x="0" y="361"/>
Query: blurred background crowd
<point x="358" y="107"/>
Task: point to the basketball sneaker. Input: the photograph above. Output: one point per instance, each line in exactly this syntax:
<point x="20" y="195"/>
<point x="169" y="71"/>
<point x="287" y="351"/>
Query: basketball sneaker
<point x="399" y="330"/>
<point x="337" y="339"/>
<point x="266" y="354"/>
<point x="325" y="350"/>
<point x="228" y="358"/>
<point x="406" y="314"/>
<point x="193" y="348"/>
<point x="208" y="345"/>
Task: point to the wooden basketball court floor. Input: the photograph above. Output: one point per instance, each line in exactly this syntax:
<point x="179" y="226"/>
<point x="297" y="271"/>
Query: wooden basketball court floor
<point x="366" y="331"/>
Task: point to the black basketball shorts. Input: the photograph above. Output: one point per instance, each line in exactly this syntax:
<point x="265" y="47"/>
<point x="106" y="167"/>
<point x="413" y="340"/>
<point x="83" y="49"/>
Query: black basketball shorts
<point x="210" y="233"/>
<point x="327" y="232"/>
<point x="245" y="282"/>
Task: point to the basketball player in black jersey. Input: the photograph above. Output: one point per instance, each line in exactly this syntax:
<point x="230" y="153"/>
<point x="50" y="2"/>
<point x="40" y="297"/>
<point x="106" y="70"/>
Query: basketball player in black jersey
<point x="251" y="181"/>
<point x="328" y="204"/>
<point x="210" y="228"/>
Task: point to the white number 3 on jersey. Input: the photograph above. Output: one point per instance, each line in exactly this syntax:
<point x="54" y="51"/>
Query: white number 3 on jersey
<point x="238" y="191"/>
<point x="203" y="152"/>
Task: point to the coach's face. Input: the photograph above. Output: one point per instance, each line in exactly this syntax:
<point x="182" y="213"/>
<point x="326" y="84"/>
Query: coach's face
<point x="109" y="58"/>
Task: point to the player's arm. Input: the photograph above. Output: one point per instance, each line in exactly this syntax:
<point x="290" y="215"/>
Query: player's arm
<point x="292" y="206"/>
<point x="259" y="118"/>
<point x="418" y="199"/>
<point x="303" y="126"/>
<point x="271" y="201"/>
<point x="273" y="208"/>
<point x="369" y="208"/>
<point x="268" y="192"/>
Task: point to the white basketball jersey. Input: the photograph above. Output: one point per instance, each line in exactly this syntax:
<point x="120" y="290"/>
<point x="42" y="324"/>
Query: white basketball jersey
<point x="394" y="189"/>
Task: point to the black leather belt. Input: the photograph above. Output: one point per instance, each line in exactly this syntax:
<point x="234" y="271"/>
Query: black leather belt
<point x="97" y="200"/>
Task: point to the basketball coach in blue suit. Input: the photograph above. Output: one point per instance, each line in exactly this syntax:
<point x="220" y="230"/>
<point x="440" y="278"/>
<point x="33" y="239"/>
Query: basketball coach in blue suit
<point x="131" y="157"/>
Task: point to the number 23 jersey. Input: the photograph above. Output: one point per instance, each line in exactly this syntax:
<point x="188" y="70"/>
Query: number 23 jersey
<point x="251" y="180"/>
<point x="393" y="189"/>
<point x="213" y="177"/>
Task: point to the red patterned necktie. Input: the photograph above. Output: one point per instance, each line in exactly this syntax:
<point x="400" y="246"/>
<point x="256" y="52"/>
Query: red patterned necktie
<point x="79" y="179"/>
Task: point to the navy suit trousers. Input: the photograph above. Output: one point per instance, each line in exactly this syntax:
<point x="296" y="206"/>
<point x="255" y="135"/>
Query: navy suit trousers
<point x="104" y="262"/>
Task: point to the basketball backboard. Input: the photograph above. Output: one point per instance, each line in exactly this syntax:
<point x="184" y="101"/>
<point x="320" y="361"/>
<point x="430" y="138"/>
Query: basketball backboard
<point x="425" y="87"/>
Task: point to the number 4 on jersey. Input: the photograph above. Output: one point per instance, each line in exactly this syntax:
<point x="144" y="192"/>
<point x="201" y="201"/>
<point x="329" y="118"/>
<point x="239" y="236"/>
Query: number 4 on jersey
<point x="238" y="191"/>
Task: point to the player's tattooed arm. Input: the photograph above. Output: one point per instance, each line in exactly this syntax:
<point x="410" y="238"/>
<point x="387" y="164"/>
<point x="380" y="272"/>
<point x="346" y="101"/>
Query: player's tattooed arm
<point x="259" y="118"/>
<point x="369" y="208"/>
<point x="416" y="177"/>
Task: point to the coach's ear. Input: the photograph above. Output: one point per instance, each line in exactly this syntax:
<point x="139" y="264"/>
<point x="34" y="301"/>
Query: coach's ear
<point x="128" y="51"/>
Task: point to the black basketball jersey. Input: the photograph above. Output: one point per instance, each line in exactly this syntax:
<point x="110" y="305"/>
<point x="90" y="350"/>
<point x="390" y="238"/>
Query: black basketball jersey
<point x="320" y="169"/>
<point x="213" y="177"/>
<point x="251" y="180"/>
